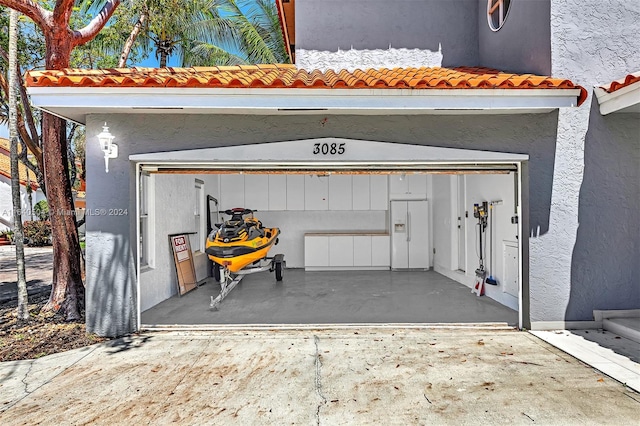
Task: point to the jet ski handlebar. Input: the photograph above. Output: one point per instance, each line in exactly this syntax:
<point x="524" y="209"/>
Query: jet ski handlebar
<point x="237" y="211"/>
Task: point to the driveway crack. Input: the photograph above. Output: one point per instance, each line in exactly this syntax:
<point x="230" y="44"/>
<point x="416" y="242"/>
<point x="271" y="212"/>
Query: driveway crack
<point x="318" y="381"/>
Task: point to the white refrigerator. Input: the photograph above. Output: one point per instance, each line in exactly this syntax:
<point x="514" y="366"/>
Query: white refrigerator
<point x="410" y="234"/>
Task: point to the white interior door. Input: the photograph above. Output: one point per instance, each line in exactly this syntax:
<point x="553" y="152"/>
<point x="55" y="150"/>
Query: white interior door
<point x="462" y="220"/>
<point x="399" y="235"/>
<point x="418" y="232"/>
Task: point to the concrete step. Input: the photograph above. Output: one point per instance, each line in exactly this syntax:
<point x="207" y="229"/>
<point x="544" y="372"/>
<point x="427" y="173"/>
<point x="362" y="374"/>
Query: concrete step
<point x="628" y="327"/>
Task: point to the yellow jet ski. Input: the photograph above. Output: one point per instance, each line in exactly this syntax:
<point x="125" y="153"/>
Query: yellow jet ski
<point x="241" y="241"/>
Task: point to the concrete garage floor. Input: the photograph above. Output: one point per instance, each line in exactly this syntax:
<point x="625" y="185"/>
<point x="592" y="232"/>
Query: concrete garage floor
<point x="353" y="297"/>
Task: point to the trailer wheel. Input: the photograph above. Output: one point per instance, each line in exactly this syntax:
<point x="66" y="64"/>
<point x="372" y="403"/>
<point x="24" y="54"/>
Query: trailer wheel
<point x="216" y="272"/>
<point x="278" y="271"/>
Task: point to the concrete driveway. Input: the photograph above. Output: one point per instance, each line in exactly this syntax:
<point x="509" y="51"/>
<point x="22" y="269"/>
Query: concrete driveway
<point x="332" y="377"/>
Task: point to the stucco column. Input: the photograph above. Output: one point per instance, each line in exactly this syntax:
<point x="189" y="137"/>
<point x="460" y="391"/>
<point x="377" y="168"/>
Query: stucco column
<point x="110" y="252"/>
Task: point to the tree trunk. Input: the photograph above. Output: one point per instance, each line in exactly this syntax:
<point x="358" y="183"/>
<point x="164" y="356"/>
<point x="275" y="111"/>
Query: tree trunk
<point x="67" y="291"/>
<point x="126" y="50"/>
<point x="163" y="58"/>
<point x="23" y="302"/>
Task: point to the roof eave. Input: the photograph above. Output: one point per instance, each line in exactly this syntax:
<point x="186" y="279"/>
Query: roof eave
<point x="76" y="103"/>
<point x="626" y="99"/>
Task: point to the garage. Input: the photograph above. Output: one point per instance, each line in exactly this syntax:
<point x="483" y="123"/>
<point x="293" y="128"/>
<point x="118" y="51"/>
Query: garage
<point x="371" y="232"/>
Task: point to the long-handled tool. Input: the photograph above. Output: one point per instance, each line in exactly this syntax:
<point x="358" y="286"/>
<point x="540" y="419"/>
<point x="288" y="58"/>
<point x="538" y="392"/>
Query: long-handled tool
<point x="480" y="212"/>
<point x="491" y="280"/>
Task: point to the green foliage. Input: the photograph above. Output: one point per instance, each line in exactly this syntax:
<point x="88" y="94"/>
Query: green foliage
<point x="41" y="210"/>
<point x="37" y="232"/>
<point x="199" y="32"/>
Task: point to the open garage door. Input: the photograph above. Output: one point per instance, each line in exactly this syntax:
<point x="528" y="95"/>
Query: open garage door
<point x="371" y="232"/>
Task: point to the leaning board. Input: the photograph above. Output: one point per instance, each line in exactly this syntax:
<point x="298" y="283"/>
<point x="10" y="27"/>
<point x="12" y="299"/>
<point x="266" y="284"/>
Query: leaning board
<point x="183" y="259"/>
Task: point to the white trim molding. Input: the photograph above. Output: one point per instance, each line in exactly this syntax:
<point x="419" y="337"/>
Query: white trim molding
<point x="626" y="99"/>
<point x="75" y="103"/>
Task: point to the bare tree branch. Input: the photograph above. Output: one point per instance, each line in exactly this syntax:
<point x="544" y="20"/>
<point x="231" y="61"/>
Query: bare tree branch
<point x="33" y="147"/>
<point x="28" y="112"/>
<point x="92" y="28"/>
<point x="22" y="155"/>
<point x="33" y="10"/>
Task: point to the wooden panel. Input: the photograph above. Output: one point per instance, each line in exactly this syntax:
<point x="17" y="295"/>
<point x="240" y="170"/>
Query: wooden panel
<point x="295" y="192"/>
<point x="316" y="251"/>
<point x="341" y="251"/>
<point x="316" y="192"/>
<point x="360" y="185"/>
<point x="340" y="192"/>
<point x="256" y="192"/>
<point x="362" y="250"/>
<point x="277" y="192"/>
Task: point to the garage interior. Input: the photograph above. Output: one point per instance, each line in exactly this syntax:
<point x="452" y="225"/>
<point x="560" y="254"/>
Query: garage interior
<point x="361" y="246"/>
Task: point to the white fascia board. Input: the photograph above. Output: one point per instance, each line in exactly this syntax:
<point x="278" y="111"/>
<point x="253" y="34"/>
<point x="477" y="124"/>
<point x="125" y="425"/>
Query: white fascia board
<point x="619" y="100"/>
<point x="300" y="153"/>
<point x="77" y="102"/>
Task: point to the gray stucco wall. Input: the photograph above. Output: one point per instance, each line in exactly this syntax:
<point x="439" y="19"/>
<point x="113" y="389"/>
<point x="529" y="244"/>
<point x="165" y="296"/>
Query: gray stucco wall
<point x="523" y="44"/>
<point x="588" y="258"/>
<point x="110" y="257"/>
<point x="330" y="25"/>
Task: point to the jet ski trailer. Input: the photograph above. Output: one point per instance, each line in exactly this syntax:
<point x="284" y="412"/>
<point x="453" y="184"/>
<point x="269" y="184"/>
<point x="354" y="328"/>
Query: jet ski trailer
<point x="239" y="247"/>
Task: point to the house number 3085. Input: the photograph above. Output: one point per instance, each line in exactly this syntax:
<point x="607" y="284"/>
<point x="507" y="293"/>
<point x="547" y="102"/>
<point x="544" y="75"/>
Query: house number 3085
<point x="328" y="148"/>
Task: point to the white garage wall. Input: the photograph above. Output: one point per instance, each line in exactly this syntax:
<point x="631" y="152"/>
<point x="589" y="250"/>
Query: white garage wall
<point x="174" y="213"/>
<point x="443" y="224"/>
<point x="293" y="226"/>
<point x="479" y="187"/>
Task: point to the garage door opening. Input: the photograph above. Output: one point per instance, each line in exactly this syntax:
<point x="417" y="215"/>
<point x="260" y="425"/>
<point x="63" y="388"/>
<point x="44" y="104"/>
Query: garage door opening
<point x="375" y="242"/>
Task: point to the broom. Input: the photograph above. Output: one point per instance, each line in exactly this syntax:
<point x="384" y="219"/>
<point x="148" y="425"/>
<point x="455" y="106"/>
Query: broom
<point x="491" y="280"/>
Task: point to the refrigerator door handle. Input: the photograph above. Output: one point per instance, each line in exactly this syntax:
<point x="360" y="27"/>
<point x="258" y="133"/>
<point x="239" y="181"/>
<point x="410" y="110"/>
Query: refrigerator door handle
<point x="408" y="226"/>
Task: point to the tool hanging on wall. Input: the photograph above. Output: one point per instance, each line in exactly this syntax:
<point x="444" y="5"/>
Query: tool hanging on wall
<point x="492" y="280"/>
<point x="480" y="212"/>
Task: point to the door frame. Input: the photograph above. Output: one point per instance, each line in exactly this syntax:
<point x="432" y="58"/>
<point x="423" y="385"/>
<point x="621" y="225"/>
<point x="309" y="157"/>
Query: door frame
<point x="162" y="163"/>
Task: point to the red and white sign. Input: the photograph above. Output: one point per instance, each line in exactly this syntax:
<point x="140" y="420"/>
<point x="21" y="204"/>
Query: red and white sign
<point x="181" y="248"/>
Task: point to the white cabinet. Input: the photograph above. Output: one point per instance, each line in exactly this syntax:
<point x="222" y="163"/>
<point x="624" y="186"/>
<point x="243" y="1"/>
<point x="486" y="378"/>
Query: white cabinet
<point x="362" y="250"/>
<point x="417" y="184"/>
<point x="379" y="192"/>
<point x="408" y="186"/>
<point x="295" y="192"/>
<point x="231" y="191"/>
<point x="380" y="250"/>
<point x="316" y="192"/>
<point x="316" y="251"/>
<point x="340" y="192"/>
<point x="341" y="250"/>
<point x="398" y="184"/>
<point x="256" y="192"/>
<point x="277" y="192"/>
<point x="360" y="187"/>
<point x="346" y="252"/>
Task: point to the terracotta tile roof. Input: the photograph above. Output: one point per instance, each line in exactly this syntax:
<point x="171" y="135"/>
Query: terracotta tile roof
<point x="288" y="76"/>
<point x="5" y="165"/>
<point x="623" y="82"/>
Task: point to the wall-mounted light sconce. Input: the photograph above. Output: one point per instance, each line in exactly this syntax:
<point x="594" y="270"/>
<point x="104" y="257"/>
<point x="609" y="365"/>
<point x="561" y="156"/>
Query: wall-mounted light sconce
<point x="109" y="148"/>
